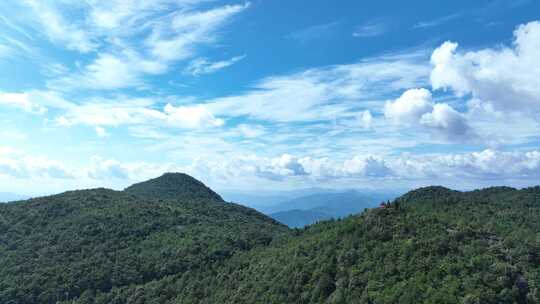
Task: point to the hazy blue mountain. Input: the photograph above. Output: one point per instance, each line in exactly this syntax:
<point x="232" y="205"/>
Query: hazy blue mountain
<point x="299" y="218"/>
<point x="312" y="208"/>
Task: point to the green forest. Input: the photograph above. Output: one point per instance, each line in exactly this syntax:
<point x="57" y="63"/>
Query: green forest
<point x="173" y="240"/>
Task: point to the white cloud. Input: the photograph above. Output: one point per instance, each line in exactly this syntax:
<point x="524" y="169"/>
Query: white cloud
<point x="487" y="164"/>
<point x="101" y="132"/>
<point x="174" y="38"/>
<point x="447" y="121"/>
<point x="366" y="167"/>
<point x="251" y="131"/>
<point x="23" y="101"/>
<point x="136" y="112"/>
<point x="462" y="169"/>
<point x="60" y="30"/>
<point x="191" y="116"/>
<point x="409" y="107"/>
<point x="370" y="29"/>
<point x="366" y="119"/>
<point x="132" y="39"/>
<point x="111" y="71"/>
<point x="509" y="78"/>
<point x="201" y="66"/>
<point x="415" y="107"/>
<point x="315" y="32"/>
<point x="324" y="93"/>
<point x="19" y="165"/>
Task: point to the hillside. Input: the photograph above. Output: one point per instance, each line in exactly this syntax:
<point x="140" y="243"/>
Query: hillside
<point x="433" y="245"/>
<point x="78" y="243"/>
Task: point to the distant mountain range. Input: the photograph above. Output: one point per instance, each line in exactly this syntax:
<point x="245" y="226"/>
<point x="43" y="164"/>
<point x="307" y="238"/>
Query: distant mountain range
<point x="310" y="209"/>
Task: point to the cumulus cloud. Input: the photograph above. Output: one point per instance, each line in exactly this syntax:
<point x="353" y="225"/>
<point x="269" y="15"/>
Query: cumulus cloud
<point x="486" y="164"/>
<point x="366" y="166"/>
<point x="20" y="165"/>
<point x="485" y="74"/>
<point x="415" y="107"/>
<point x="409" y="107"/>
<point x="447" y="121"/>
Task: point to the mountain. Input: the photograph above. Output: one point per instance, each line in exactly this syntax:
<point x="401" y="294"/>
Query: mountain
<point x="174" y="186"/>
<point x="299" y="218"/>
<point x="11" y="197"/>
<point x="432" y="245"/>
<point x="309" y="209"/>
<point x="79" y="243"/>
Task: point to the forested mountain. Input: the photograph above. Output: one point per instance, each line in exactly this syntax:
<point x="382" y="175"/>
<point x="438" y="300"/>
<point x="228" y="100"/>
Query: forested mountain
<point x="178" y="186"/>
<point x="74" y="244"/>
<point x="432" y="245"/>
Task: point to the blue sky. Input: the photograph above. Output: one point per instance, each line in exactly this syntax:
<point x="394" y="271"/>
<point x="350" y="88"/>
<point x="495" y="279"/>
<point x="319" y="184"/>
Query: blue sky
<point x="269" y="95"/>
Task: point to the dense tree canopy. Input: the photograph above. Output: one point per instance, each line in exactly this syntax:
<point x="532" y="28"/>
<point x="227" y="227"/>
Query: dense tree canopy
<point x="432" y="245"/>
<point x="65" y="246"/>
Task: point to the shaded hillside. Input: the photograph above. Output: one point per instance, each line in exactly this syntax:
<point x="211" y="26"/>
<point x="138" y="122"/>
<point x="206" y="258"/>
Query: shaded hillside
<point x="432" y="245"/>
<point x="73" y="244"/>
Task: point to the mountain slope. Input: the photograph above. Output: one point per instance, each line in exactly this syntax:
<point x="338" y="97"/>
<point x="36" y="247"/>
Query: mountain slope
<point x="432" y="245"/>
<point x="75" y="244"/>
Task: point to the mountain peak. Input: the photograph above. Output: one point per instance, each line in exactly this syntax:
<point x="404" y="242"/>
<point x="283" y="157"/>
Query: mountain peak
<point x="173" y="186"/>
<point x="428" y="193"/>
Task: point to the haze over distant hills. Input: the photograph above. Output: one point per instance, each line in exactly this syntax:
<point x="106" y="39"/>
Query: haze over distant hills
<point x="309" y="209"/>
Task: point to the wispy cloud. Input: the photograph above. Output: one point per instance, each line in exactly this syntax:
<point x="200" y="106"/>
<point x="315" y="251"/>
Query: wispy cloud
<point x="201" y="66"/>
<point x="370" y="29"/>
<point x="438" y="21"/>
<point x="315" y="32"/>
<point x="130" y="40"/>
<point x="324" y="93"/>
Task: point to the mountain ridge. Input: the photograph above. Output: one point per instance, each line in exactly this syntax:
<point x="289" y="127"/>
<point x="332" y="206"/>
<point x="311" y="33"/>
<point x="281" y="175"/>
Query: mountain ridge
<point x="430" y="245"/>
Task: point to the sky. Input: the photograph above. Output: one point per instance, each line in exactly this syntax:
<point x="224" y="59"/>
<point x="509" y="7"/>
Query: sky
<point x="269" y="95"/>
